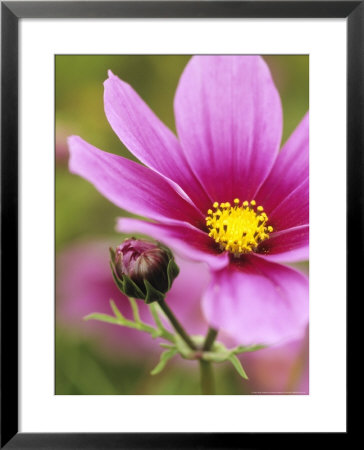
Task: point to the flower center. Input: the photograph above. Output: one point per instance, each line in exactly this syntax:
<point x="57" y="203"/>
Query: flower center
<point x="239" y="228"/>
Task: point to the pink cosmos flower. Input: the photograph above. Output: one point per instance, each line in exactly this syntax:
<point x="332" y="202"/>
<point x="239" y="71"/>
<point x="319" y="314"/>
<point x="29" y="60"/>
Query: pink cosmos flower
<point x="222" y="193"/>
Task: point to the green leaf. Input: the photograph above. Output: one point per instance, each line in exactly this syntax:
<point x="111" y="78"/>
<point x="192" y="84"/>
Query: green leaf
<point x="237" y="364"/>
<point x="164" y="345"/>
<point x="155" y="333"/>
<point x="216" y="357"/>
<point x="183" y="349"/>
<point x="135" y="309"/>
<point x="250" y="348"/>
<point x="165" y="357"/>
<point x="116" y="311"/>
<point x="103" y="318"/>
<point x="122" y="321"/>
<point x="219" y="347"/>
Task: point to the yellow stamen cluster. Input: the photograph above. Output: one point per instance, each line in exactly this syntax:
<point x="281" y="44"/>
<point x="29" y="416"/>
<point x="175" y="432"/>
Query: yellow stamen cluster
<point x="238" y="228"/>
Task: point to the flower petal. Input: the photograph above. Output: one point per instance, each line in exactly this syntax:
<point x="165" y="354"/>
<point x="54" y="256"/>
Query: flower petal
<point x="129" y="185"/>
<point x="289" y="256"/>
<point x="258" y="302"/>
<point x="229" y="121"/>
<point x="293" y="211"/>
<point x="287" y="246"/>
<point x="147" y="137"/>
<point x="284" y="194"/>
<point x="186" y="240"/>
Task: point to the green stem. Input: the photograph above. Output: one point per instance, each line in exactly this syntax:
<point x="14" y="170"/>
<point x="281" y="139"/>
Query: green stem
<point x="210" y="339"/>
<point x="207" y="378"/>
<point x="176" y="325"/>
<point x="159" y="323"/>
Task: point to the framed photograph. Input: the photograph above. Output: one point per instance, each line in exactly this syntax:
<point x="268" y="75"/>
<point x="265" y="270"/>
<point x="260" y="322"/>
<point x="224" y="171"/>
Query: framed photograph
<point x="179" y="184"/>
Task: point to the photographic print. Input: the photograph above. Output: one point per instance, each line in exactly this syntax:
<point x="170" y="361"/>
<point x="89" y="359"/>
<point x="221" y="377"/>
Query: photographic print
<point x="182" y="224"/>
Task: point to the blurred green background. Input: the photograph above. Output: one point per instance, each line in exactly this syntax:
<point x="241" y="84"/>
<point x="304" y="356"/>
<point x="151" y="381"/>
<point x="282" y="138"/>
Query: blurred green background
<point x="83" y="215"/>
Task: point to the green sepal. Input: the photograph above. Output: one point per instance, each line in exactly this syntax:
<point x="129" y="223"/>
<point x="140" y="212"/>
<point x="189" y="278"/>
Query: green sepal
<point x="250" y="348"/>
<point x="125" y="284"/>
<point x="182" y="348"/>
<point x="112" y="255"/>
<point x="102" y="318"/>
<point x="165" y="357"/>
<point x="166" y="249"/>
<point x="130" y="289"/>
<point x="152" y="295"/>
<point x="172" y="272"/>
<point x="117" y="281"/>
<point x="172" y="268"/>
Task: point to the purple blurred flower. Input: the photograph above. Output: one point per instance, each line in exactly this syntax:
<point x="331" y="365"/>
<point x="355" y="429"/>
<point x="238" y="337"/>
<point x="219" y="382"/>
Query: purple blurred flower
<point x="61" y="148"/>
<point x="279" y="369"/>
<point x="85" y="285"/>
<point x="222" y="194"/>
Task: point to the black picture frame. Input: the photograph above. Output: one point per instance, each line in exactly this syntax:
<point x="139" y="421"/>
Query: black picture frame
<point x="11" y="12"/>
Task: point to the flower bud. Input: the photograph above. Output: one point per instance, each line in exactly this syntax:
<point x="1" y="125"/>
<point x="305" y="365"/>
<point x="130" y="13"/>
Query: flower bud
<point x="143" y="269"/>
